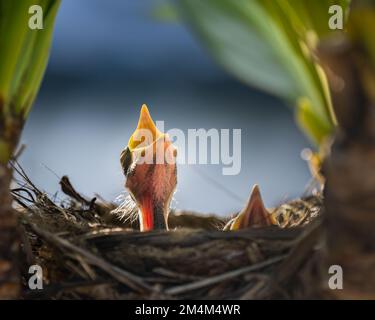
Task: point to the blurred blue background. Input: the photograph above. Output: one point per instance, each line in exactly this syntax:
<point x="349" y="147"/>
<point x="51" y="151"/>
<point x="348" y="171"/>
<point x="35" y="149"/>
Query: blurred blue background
<point x="109" y="57"/>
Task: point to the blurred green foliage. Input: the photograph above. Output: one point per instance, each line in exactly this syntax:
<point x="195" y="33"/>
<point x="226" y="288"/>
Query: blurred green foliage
<point x="23" y="58"/>
<point x="271" y="44"/>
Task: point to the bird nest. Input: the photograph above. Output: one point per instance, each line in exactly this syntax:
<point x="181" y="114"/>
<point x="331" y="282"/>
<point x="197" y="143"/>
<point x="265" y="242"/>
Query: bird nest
<point x="87" y="253"/>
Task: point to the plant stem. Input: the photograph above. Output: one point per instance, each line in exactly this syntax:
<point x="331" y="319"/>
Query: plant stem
<point x="9" y="240"/>
<point x="350" y="170"/>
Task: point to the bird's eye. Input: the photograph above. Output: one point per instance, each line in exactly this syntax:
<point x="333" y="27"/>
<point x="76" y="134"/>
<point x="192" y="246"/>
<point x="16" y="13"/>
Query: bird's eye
<point x="126" y="160"/>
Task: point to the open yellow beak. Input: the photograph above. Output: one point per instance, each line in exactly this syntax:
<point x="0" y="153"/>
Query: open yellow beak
<point x="146" y="132"/>
<point x="254" y="214"/>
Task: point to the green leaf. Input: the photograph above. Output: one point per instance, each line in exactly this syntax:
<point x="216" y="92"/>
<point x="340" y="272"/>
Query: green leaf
<point x="37" y="61"/>
<point x="308" y="15"/>
<point x="13" y="30"/>
<point x="307" y="120"/>
<point x="235" y="32"/>
<point x="23" y="58"/>
<point x="23" y="52"/>
<point x="270" y="44"/>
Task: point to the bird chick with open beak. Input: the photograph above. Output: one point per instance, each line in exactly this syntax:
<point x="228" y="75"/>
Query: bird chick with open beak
<point x="149" y="164"/>
<point x="254" y="214"/>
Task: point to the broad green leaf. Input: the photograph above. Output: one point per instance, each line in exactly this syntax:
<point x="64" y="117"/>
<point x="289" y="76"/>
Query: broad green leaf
<point x="13" y="31"/>
<point x="23" y="52"/>
<point x="270" y="44"/>
<point x="23" y="58"/>
<point x="235" y="33"/>
<point x="33" y="73"/>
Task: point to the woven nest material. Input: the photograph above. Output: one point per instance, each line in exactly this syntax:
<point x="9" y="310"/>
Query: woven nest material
<point x="87" y="253"/>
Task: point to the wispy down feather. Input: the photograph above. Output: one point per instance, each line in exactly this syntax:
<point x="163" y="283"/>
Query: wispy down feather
<point x="127" y="209"/>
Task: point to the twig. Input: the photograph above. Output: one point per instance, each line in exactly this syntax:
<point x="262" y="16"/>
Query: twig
<point x="255" y="288"/>
<point x="176" y="275"/>
<point x="50" y="290"/>
<point x="19" y="170"/>
<point x="69" y="190"/>
<point x="27" y="248"/>
<point x="119" y="274"/>
<point x="300" y="252"/>
<point x="16" y="193"/>
<point x="223" y="277"/>
<point x="18" y="152"/>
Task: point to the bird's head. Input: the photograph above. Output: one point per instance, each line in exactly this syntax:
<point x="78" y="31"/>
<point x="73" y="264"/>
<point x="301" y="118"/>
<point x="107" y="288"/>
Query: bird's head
<point x="149" y="164"/>
<point x="254" y="214"/>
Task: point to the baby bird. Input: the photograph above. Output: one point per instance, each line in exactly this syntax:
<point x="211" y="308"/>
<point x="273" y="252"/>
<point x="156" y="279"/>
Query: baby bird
<point x="294" y="213"/>
<point x="254" y="214"/>
<point x="149" y="164"/>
